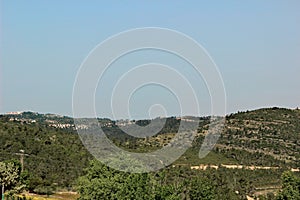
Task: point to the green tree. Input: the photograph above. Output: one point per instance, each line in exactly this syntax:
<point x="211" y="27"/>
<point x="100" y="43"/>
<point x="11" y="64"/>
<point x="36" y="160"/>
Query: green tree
<point x="100" y="182"/>
<point x="168" y="192"/>
<point x="168" y="184"/>
<point x="136" y="186"/>
<point x="9" y="175"/>
<point x="290" y="187"/>
<point x="201" y="189"/>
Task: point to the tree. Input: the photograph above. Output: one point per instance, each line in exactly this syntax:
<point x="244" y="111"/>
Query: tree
<point x="136" y="186"/>
<point x="201" y="189"/>
<point x="168" y="192"/>
<point x="290" y="187"/>
<point x="9" y="175"/>
<point x="166" y="188"/>
<point x="100" y="181"/>
<point x="103" y="182"/>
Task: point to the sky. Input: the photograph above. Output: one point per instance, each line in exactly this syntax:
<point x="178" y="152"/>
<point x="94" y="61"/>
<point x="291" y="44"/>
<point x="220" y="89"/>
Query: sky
<point x="255" y="45"/>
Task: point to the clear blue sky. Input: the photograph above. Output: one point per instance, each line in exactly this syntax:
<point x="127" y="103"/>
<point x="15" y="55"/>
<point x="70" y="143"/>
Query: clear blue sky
<point x="256" y="45"/>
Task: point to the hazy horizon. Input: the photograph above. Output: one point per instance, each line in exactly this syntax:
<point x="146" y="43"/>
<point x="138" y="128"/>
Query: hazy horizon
<point x="255" y="45"/>
<point x="247" y="110"/>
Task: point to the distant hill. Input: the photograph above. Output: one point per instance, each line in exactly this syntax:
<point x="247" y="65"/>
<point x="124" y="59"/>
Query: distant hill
<point x="55" y="154"/>
<point x="272" y="132"/>
<point x="267" y="137"/>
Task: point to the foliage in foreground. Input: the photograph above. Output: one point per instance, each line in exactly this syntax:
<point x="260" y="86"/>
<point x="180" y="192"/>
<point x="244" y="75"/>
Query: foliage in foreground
<point x="290" y="187"/>
<point x="102" y="182"/>
<point x="12" y="180"/>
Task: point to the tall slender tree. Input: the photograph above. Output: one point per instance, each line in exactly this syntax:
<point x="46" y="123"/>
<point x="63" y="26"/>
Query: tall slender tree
<point x="9" y="176"/>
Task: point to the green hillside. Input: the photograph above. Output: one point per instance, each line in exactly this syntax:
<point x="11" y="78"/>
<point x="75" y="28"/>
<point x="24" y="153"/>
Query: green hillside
<point x="55" y="157"/>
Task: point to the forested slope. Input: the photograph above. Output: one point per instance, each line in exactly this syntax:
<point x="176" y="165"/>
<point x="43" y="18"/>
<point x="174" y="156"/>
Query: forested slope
<point x="55" y="157"/>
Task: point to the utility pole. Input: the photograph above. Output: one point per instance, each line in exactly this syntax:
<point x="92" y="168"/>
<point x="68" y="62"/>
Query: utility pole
<point x="2" y="191"/>
<point x="22" y="154"/>
<point x="22" y="159"/>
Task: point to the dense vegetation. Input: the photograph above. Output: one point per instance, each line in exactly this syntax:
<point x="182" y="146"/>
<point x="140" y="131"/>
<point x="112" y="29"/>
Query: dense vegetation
<point x="55" y="157"/>
<point x="181" y="183"/>
<point x="107" y="183"/>
<point x="11" y="178"/>
<point x="290" y="187"/>
<point x="273" y="132"/>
